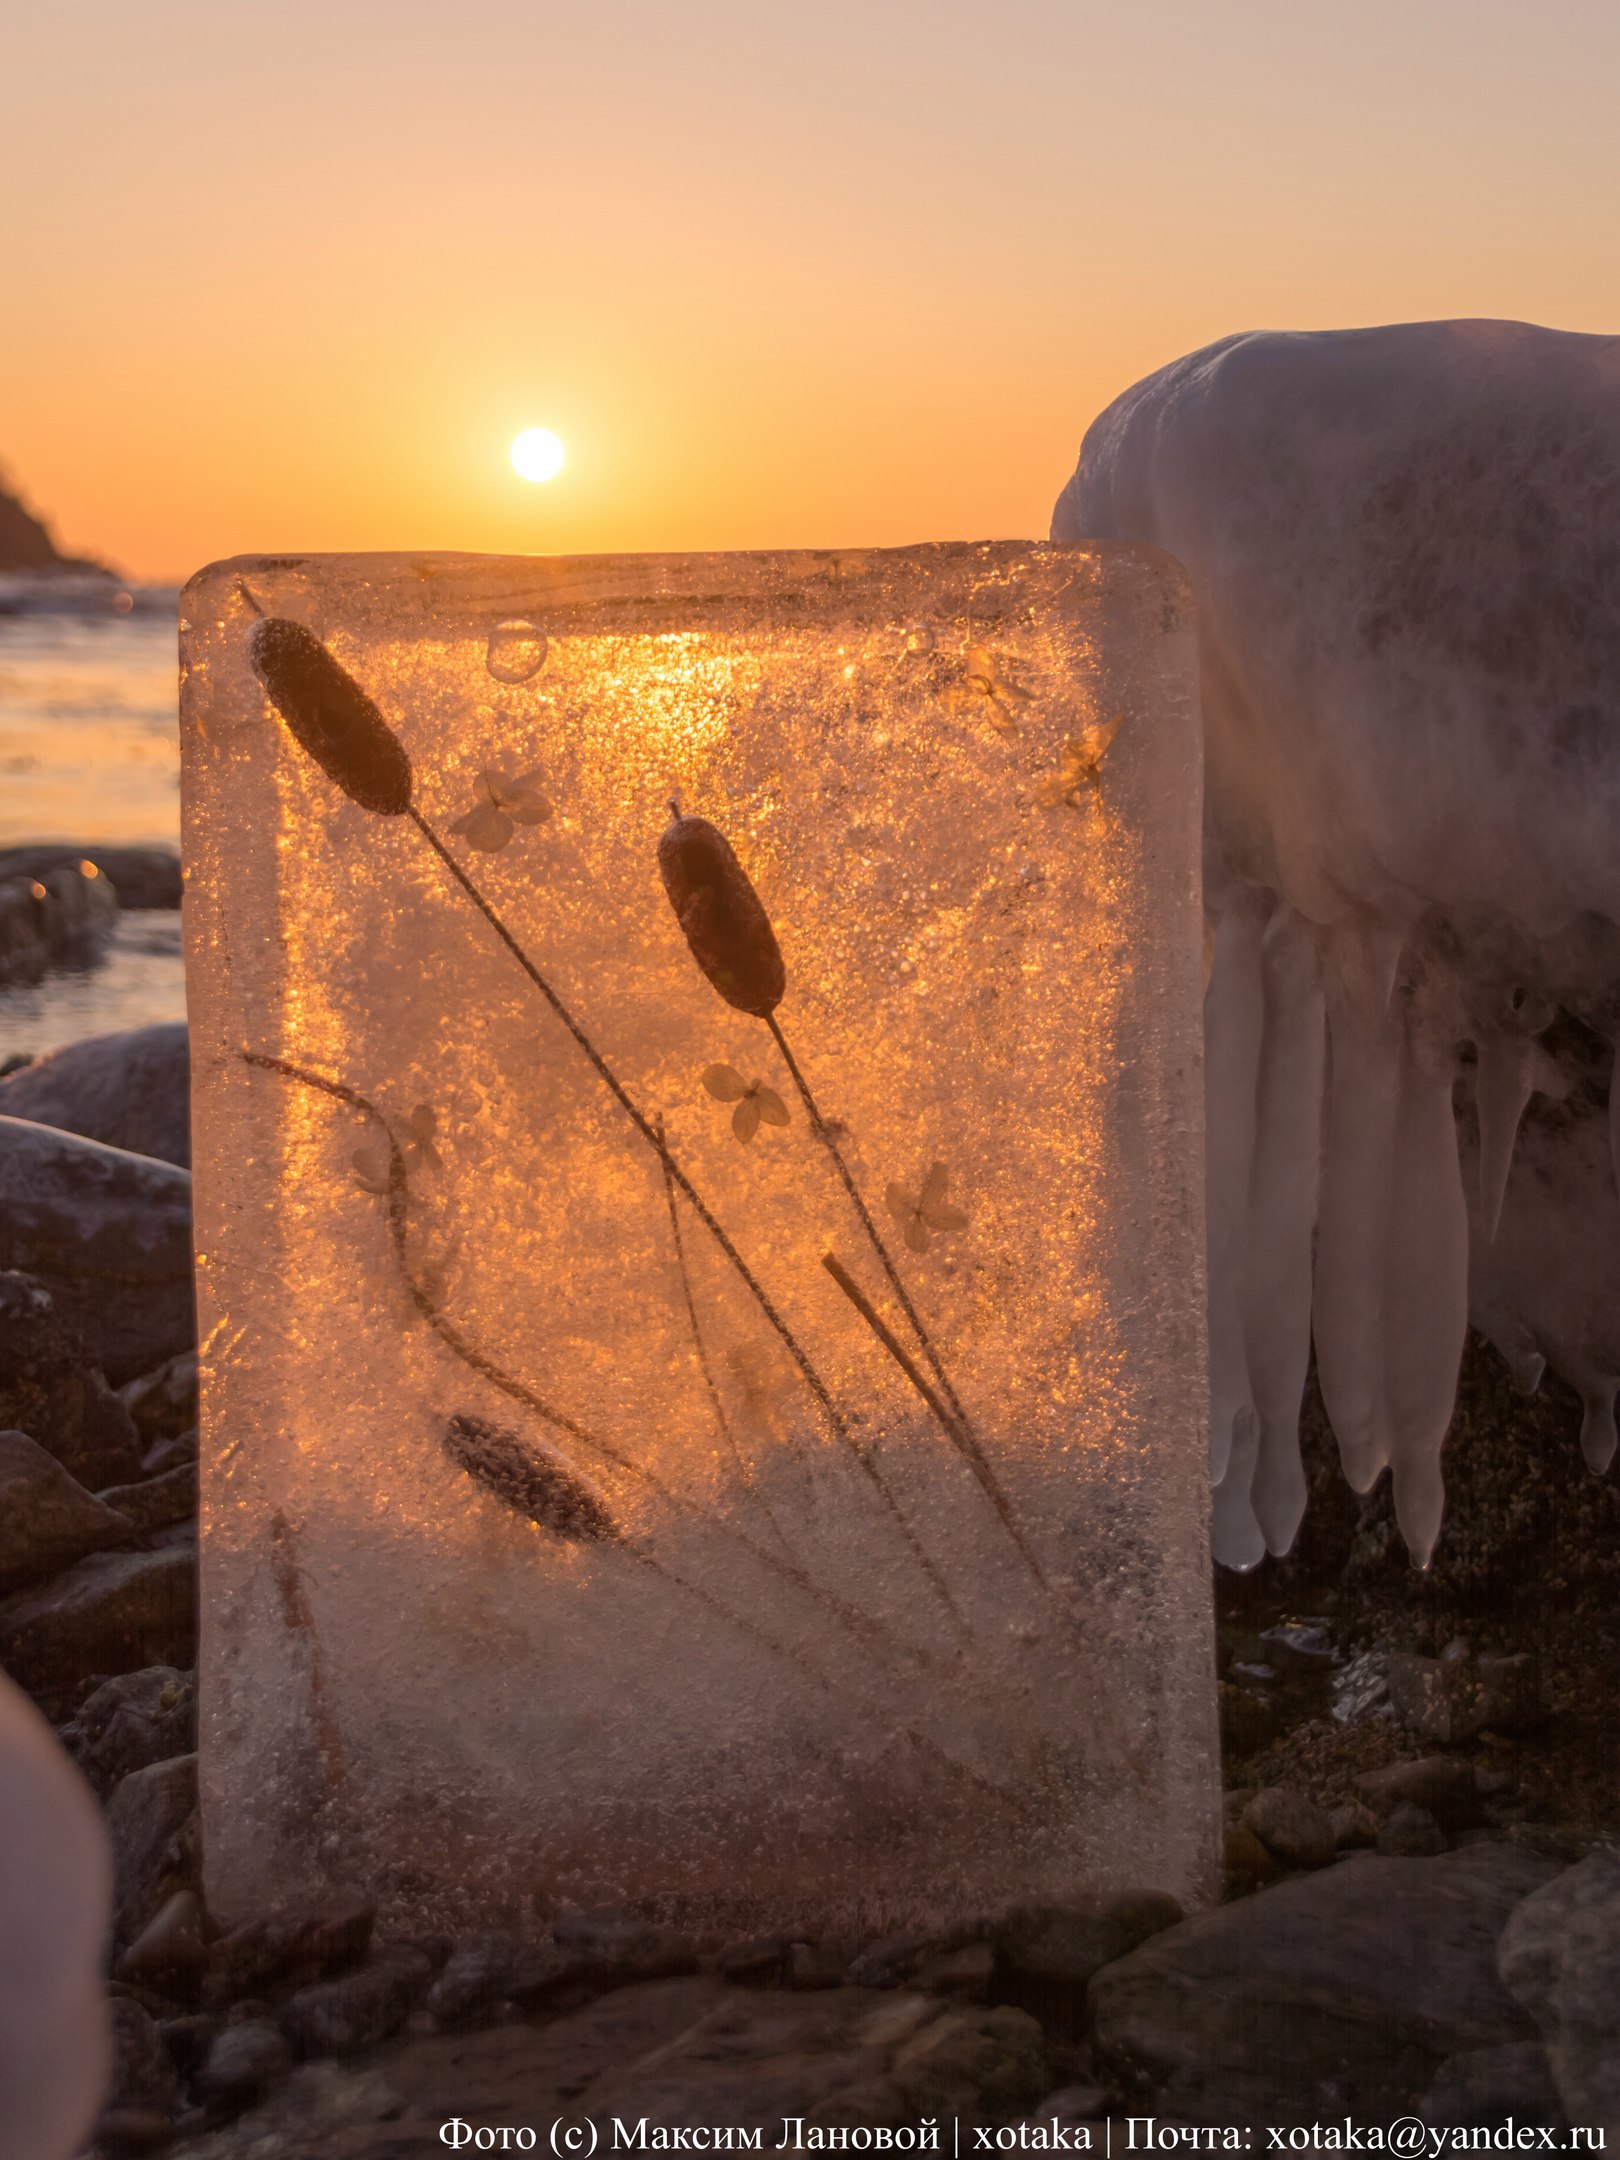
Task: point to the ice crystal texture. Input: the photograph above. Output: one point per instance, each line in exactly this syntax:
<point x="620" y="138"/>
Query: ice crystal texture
<point x="698" y="1167"/>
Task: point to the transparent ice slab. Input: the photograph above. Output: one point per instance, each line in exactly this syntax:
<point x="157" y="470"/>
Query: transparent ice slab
<point x="684" y="1425"/>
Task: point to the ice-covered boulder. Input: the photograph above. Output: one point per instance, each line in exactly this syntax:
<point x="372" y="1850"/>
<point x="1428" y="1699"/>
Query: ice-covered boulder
<point x="1405" y="544"/>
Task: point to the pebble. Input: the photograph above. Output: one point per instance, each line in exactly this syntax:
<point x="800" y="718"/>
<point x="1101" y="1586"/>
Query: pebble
<point x="339" y="2017"/>
<point x="130" y="1721"/>
<point x="243" y="2059"/>
<point x="110" y="1612"/>
<point x="51" y="1389"/>
<point x="1410" y="1833"/>
<point x="1293" y="1829"/>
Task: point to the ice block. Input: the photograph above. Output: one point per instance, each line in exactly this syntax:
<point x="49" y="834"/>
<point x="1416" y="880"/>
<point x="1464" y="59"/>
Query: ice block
<point x="698" y="1155"/>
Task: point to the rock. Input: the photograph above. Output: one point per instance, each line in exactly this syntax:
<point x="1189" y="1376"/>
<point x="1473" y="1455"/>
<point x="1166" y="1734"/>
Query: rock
<point x="143" y="2076"/>
<point x="47" y="1519"/>
<point x="142" y="877"/>
<point x="1243" y="1858"/>
<point x="1065" y="2109"/>
<point x="892" y="1959"/>
<point x="1451" y="1698"/>
<point x="1487" y="2088"/>
<point x="610" y="1948"/>
<point x="812" y="1966"/>
<point x="760" y="1961"/>
<point x="166" y="1455"/>
<point x="965" y="1975"/>
<point x="130" y="1090"/>
<point x="1293" y="1829"/>
<point x="1248" y="1721"/>
<point x="157" y="1501"/>
<point x="339" y="2017"/>
<point x="473" y="1981"/>
<point x="169" y="1952"/>
<point x="108" y="1234"/>
<point x="289" y="1950"/>
<point x="1354" y="1824"/>
<point x="1566" y="1843"/>
<point x="242" y="2061"/>
<point x="163" y="1404"/>
<point x="1410" y="1833"/>
<point x="1560" y="1955"/>
<point x="150" y="1818"/>
<point x="136" y="1719"/>
<point x="1440" y="1783"/>
<point x="188" y="2039"/>
<point x="1045" y="1953"/>
<point x="972" y="2064"/>
<point x="60" y="916"/>
<point x="50" y="1389"/>
<point x="1331" y="1993"/>
<point x="109" y="1612"/>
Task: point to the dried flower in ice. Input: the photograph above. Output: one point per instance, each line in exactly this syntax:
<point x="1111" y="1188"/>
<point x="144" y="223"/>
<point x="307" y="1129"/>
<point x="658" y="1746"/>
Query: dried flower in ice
<point x="501" y="807"/>
<point x="929" y="1210"/>
<point x="755" y="1101"/>
<point x="986" y="686"/>
<point x="721" y="914"/>
<point x="417" y="1152"/>
<point x="534" y="1486"/>
<point x="330" y="716"/>
<point x="1079" y="770"/>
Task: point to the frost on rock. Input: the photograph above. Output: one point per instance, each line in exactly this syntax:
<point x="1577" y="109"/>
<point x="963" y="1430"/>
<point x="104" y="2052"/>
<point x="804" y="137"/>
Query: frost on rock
<point x="1402" y="545"/>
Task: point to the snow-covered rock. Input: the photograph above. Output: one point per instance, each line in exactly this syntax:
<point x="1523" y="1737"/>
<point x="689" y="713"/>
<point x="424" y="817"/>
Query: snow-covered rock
<point x="1404" y="547"/>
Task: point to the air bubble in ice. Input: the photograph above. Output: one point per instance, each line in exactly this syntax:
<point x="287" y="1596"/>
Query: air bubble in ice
<point x="517" y="650"/>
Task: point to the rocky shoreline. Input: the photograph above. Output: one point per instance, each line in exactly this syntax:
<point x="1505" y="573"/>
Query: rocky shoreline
<point x="1422" y="1910"/>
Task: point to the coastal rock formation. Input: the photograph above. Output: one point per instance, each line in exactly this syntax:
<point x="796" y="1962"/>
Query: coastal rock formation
<point x="128" y="1090"/>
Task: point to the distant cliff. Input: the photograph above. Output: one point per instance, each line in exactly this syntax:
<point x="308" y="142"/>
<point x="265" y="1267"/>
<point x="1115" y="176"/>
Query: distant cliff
<point x="26" y="543"/>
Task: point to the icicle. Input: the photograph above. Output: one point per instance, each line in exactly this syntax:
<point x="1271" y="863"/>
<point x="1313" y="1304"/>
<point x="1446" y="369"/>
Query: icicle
<point x="1347" y="1316"/>
<point x="1425" y="1294"/>
<point x="1512" y="1068"/>
<point x="1233" y="1016"/>
<point x="1276" y="1276"/>
<point x="1235" y="1536"/>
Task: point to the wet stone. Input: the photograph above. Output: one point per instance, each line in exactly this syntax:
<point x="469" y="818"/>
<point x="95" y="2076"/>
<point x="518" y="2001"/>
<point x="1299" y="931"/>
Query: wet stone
<point x="130" y="1721"/>
<point x="157" y="1501"/>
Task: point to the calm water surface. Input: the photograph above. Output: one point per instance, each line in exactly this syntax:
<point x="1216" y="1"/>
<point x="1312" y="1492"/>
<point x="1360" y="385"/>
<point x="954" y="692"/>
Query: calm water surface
<point x="90" y="751"/>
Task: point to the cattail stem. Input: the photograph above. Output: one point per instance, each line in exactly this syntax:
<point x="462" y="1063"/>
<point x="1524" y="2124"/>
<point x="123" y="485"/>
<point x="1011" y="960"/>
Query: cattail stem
<point x="908" y="1365"/>
<point x="955" y="1424"/>
<point x="519" y="1391"/>
<point x="716" y="1400"/>
<point x="700" y="1208"/>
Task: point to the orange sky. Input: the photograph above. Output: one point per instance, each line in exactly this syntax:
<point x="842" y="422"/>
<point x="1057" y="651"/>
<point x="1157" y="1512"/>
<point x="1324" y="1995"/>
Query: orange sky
<point x="292" y="276"/>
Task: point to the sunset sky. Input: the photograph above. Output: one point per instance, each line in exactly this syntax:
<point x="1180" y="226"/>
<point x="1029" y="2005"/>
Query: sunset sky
<point x="293" y="276"/>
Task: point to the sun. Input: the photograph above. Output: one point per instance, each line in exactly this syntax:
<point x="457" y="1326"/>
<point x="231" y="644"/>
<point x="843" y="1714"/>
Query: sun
<point x="537" y="454"/>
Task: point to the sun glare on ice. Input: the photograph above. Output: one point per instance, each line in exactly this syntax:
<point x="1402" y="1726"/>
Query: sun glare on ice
<point x="537" y="454"/>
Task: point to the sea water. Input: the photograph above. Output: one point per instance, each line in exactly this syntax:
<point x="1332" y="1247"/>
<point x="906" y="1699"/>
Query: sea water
<point x="89" y="752"/>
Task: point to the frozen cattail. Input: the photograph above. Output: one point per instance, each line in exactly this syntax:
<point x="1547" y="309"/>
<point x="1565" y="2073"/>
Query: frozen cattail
<point x="723" y="917"/>
<point x="331" y="716"/>
<point x="540" y="1490"/>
